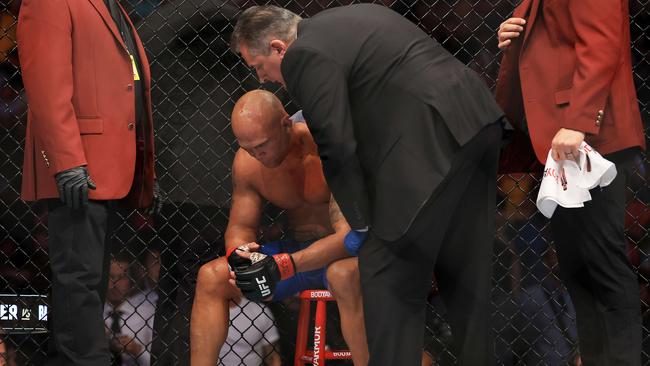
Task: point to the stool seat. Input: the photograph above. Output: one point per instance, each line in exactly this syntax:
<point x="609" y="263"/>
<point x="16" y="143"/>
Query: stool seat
<point x="318" y="354"/>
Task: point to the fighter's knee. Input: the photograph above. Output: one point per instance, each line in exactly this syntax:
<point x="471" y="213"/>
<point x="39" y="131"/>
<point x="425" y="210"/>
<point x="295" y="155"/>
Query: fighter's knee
<point x="213" y="275"/>
<point x="343" y="277"/>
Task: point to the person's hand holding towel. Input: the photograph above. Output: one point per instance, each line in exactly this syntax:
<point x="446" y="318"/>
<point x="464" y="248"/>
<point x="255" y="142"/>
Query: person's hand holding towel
<point x="567" y="182"/>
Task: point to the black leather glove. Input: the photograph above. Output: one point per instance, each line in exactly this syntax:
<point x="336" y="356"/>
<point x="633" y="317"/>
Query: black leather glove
<point x="73" y="185"/>
<point x="258" y="281"/>
<point x="158" y="200"/>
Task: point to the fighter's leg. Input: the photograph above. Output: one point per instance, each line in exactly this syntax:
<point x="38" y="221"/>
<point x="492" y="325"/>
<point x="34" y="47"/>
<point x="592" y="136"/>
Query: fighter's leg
<point x="345" y="285"/>
<point x="210" y="312"/>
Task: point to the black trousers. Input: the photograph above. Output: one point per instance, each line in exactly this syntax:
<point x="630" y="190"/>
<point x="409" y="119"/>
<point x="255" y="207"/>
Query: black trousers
<point x="591" y="250"/>
<point x="453" y="235"/>
<point x="78" y="249"/>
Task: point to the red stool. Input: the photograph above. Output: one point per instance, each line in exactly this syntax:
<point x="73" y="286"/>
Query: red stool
<point x="317" y="355"/>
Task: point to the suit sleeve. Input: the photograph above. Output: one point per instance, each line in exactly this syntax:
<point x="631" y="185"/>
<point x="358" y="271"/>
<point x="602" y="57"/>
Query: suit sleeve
<point x="45" y="52"/>
<point x="319" y="84"/>
<point x="598" y="27"/>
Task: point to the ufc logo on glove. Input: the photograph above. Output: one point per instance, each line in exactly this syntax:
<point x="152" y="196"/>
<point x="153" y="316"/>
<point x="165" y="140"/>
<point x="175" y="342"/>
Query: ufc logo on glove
<point x="264" y="288"/>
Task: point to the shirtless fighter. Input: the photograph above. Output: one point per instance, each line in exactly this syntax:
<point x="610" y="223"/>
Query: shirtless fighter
<point x="277" y="162"/>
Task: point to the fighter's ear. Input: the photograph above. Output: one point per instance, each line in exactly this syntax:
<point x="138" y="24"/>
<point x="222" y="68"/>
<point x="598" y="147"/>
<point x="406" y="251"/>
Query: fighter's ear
<point x="287" y="121"/>
<point x="278" y="46"/>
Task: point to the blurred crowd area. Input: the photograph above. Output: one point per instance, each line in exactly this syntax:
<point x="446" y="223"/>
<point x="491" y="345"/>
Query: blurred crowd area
<point x="196" y="81"/>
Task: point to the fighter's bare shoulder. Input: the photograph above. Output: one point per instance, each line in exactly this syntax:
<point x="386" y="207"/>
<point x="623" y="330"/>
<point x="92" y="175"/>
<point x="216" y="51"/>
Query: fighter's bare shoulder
<point x="306" y="138"/>
<point x="245" y="168"/>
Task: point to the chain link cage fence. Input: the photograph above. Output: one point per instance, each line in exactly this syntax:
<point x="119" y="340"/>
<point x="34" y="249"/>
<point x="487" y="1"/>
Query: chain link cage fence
<point x="196" y="81"/>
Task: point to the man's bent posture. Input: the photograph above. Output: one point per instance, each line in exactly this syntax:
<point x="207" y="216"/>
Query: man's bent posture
<point x="278" y="162"/>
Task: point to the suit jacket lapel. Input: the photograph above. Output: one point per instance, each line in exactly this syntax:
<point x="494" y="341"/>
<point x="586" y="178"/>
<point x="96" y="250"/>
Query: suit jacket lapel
<point x="522" y="9"/>
<point x="100" y="6"/>
<point x="140" y="49"/>
<point x="531" y="8"/>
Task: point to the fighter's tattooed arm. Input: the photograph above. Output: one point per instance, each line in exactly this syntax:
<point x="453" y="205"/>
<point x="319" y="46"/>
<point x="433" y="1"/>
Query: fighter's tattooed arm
<point x="336" y="216"/>
<point x="329" y="248"/>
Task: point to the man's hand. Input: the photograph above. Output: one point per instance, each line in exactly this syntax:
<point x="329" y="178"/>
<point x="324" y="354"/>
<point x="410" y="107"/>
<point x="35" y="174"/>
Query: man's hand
<point x="258" y="281"/>
<point x="238" y="257"/>
<point x="508" y="30"/>
<point x="354" y="240"/>
<point x="565" y="144"/>
<point x="158" y="200"/>
<point x="73" y="185"/>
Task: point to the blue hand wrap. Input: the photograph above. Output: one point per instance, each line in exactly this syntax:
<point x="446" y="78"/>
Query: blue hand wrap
<point x="354" y="241"/>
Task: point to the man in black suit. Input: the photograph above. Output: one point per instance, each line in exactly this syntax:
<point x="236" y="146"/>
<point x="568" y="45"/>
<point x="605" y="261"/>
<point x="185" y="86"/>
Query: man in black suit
<point x="409" y="141"/>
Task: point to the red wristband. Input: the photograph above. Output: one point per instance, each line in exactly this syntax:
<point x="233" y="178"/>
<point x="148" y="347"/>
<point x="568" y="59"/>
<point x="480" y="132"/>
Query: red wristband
<point x="286" y="265"/>
<point x="229" y="251"/>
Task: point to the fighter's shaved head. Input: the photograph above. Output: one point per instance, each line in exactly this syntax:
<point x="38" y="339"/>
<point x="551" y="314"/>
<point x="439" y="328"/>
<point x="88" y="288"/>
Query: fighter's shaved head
<point x="262" y="126"/>
<point x="256" y="112"/>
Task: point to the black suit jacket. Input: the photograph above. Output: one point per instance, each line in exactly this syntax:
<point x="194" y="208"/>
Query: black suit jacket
<point x="388" y="107"/>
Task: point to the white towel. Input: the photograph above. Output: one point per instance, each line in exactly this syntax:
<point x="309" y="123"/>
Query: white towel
<point x="602" y="171"/>
<point x="567" y="183"/>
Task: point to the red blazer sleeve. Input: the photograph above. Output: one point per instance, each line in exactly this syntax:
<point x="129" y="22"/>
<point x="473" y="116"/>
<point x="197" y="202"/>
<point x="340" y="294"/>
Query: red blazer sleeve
<point x="598" y="27"/>
<point x="45" y="53"/>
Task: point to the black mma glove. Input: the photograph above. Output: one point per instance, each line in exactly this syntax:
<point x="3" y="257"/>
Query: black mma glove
<point x="235" y="260"/>
<point x="258" y="281"/>
<point x="73" y="185"/>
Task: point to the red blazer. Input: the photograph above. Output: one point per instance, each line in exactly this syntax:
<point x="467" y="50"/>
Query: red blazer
<point x="78" y="78"/>
<point x="570" y="68"/>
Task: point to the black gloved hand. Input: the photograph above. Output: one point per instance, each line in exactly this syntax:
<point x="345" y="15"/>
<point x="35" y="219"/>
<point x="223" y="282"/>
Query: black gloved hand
<point x="258" y="281"/>
<point x="158" y="200"/>
<point x="235" y="261"/>
<point x="73" y="185"/>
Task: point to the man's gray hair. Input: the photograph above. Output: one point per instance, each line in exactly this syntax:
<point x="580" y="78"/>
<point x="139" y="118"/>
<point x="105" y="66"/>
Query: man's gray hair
<point x="257" y="25"/>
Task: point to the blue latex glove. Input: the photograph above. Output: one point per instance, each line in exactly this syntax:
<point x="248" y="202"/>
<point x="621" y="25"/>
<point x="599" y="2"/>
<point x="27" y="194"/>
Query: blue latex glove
<point x="354" y="240"/>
